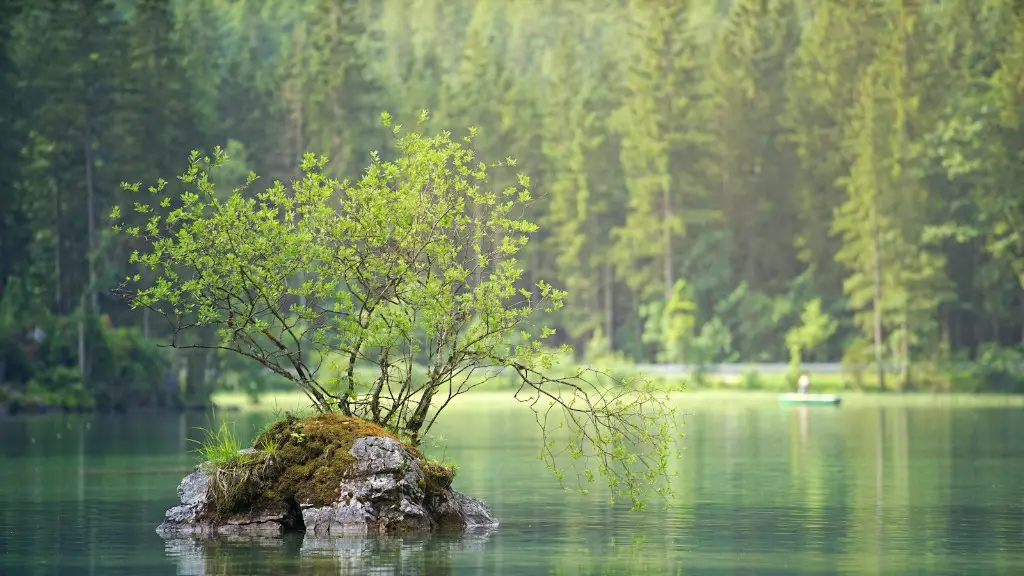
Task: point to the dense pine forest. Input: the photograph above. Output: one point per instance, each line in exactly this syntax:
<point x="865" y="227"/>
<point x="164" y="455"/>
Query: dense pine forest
<point x="744" y="180"/>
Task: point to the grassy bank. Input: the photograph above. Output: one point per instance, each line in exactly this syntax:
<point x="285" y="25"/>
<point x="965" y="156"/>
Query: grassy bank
<point x="712" y="398"/>
<point x="967" y="380"/>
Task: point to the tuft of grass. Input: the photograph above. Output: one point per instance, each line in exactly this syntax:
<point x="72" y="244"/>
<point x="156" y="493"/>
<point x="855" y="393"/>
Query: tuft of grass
<point x="219" y="446"/>
<point x="267" y="446"/>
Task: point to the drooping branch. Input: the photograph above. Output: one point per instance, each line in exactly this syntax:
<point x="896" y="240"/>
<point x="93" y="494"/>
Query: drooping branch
<point x="611" y="428"/>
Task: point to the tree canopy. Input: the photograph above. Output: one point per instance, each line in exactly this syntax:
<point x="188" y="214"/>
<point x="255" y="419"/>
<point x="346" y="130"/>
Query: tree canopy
<point x="413" y="264"/>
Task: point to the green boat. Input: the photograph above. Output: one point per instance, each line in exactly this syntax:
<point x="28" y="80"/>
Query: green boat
<point x="815" y="399"/>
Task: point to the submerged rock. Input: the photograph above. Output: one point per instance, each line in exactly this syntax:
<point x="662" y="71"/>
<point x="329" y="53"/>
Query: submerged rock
<point x="328" y="475"/>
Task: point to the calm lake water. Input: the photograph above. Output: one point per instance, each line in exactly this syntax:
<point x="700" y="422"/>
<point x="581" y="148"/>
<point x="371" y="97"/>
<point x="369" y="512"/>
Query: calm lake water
<point x="883" y="487"/>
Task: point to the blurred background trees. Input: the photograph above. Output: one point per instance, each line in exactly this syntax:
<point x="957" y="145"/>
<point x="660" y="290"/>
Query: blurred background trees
<point x="712" y="176"/>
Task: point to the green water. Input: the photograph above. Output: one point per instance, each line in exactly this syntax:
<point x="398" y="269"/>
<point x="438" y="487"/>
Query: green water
<point x="887" y="488"/>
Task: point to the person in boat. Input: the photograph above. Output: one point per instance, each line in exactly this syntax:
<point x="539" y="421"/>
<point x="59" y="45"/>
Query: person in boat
<point x="803" y="383"/>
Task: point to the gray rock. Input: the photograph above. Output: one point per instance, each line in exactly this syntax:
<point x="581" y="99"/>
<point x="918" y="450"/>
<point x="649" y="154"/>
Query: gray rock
<point x="387" y="493"/>
<point x="189" y="518"/>
<point x="473" y="512"/>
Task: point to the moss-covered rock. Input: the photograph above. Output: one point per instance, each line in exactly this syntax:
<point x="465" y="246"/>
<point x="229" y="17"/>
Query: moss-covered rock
<point x="327" y="474"/>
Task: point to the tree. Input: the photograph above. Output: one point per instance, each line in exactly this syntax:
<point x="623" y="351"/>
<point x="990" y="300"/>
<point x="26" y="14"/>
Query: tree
<point x="388" y="263"/>
<point x="677" y="324"/>
<point x="752" y="162"/>
<point x="830" y="58"/>
<point x="884" y="219"/>
<point x="752" y="165"/>
<point x="574" y="212"/>
<point x="1006" y="213"/>
<point x="661" y="149"/>
<point x="12" y="237"/>
<point x="815" y="328"/>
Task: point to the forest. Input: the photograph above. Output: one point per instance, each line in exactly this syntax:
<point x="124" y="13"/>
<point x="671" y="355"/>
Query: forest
<point x="730" y="181"/>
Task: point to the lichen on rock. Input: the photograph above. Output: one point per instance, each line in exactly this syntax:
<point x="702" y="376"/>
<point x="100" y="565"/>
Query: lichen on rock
<point x="327" y="475"/>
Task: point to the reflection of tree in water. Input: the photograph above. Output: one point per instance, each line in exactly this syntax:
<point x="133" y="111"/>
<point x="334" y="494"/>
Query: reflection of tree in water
<point x="356" y="554"/>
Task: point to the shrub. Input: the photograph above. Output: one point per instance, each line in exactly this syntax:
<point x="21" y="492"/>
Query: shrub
<point x="999" y="368"/>
<point x="752" y="380"/>
<point x="62" y="387"/>
<point x="126" y="370"/>
<point x="15" y="361"/>
<point x="416" y="260"/>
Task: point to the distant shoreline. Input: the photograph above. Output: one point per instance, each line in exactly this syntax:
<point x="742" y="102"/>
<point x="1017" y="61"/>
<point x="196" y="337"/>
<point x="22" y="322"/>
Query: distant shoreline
<point x="292" y="401"/>
<point x="297" y="402"/>
<point x="34" y="408"/>
<point x="732" y="380"/>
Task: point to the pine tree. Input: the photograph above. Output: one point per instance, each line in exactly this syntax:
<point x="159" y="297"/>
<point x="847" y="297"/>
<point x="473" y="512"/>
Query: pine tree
<point x="753" y="165"/>
<point x="861" y="219"/>
<point x="14" y="234"/>
<point x="578" y="180"/>
<point x="473" y="95"/>
<point x="919" y="283"/>
<point x="889" y="204"/>
<point x="829" y="60"/>
<point x="662" y="144"/>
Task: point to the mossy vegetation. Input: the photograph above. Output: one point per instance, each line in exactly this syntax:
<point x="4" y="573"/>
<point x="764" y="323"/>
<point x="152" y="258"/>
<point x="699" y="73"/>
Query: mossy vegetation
<point x="436" y="475"/>
<point x="299" y="460"/>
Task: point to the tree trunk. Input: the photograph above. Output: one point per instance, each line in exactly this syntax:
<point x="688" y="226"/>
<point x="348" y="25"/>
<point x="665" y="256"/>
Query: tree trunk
<point x="298" y="126"/>
<point x="4" y="259"/>
<point x="947" y="336"/>
<point x="905" y="184"/>
<point x="89" y="303"/>
<point x="90" y="198"/>
<point x="667" y="116"/>
<point x="669" y="273"/>
<point x="83" y="366"/>
<point x="196" y="393"/>
<point x="478" y="271"/>
<point x="172" y="380"/>
<point x="877" y="301"/>
<point x="58" y="299"/>
<point x="533" y="269"/>
<point x="905" y="353"/>
<point x="609" y="307"/>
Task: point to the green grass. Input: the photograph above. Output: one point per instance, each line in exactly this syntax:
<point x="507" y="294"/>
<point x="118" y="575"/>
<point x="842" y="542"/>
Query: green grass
<point x="219" y="445"/>
<point x="771" y="382"/>
<point x="930" y="383"/>
<point x="713" y="398"/>
<point x="927" y="379"/>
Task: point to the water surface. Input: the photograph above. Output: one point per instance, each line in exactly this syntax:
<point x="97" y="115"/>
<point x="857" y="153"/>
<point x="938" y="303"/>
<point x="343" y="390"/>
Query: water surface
<point x="884" y="487"/>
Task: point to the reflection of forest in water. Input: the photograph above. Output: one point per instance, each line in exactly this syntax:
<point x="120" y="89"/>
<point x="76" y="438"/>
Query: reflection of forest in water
<point x="885" y="488"/>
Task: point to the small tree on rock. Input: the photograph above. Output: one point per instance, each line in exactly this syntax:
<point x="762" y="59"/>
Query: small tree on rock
<point x="340" y="287"/>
